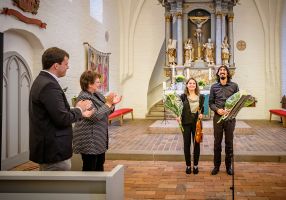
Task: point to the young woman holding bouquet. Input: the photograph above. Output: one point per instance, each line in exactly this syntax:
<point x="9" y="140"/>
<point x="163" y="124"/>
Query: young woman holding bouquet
<point x="193" y="108"/>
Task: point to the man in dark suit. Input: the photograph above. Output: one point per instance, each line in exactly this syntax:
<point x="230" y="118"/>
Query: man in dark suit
<point x="50" y="115"/>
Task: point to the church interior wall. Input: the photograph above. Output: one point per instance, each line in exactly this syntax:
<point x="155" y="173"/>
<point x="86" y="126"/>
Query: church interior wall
<point x="250" y="63"/>
<point x="14" y="41"/>
<point x="69" y="24"/>
<point x="148" y="39"/>
<point x="283" y="48"/>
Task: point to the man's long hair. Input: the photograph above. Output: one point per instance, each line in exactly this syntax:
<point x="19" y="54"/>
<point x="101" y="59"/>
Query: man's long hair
<point x="228" y="73"/>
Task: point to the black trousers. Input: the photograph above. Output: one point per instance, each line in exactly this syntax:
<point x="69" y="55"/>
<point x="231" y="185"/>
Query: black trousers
<point x="188" y="136"/>
<point x="226" y="127"/>
<point x="93" y="162"/>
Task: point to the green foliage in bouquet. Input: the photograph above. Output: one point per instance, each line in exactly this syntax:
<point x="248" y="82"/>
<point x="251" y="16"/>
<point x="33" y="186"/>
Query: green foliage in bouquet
<point x="173" y="103"/>
<point x="232" y="101"/>
<point x="180" y="78"/>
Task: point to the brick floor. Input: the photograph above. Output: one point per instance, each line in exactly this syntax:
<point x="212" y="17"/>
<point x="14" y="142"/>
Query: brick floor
<point x="167" y="180"/>
<point x="267" y="139"/>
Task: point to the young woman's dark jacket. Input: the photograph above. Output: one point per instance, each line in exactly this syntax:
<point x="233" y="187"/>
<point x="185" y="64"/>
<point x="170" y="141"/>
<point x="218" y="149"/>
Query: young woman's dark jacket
<point x="187" y="117"/>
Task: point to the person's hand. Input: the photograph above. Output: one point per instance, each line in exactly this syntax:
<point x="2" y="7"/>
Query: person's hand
<point x="220" y="111"/>
<point x="226" y="111"/>
<point x="88" y="113"/>
<point x="178" y="119"/>
<point x="200" y="116"/>
<point x="84" y="105"/>
<point x="109" y="99"/>
<point x="117" y="99"/>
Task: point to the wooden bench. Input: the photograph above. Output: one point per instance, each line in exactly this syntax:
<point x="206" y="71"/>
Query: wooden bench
<point x="58" y="185"/>
<point x="281" y="113"/>
<point x="118" y="114"/>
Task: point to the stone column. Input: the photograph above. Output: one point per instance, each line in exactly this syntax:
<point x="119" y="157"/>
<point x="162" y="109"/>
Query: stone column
<point x="174" y="20"/>
<point x="168" y="20"/>
<point x="231" y="39"/>
<point x="218" y="38"/>
<point x="223" y="26"/>
<point x="185" y="27"/>
<point x="213" y="21"/>
<point x="179" y="39"/>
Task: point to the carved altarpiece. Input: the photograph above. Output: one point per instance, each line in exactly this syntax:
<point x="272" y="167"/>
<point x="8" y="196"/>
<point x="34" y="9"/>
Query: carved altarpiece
<point x="206" y="23"/>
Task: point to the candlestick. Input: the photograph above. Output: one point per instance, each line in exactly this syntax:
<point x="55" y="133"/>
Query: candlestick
<point x="164" y="85"/>
<point x="210" y="74"/>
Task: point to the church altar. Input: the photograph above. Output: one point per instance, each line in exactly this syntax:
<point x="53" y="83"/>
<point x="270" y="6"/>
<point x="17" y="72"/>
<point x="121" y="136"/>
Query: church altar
<point x="198" y="39"/>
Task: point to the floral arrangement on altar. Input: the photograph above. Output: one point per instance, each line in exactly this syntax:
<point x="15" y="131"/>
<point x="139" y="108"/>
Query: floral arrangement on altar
<point x="180" y="78"/>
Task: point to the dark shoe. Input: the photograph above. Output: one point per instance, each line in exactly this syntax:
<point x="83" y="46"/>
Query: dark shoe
<point x="229" y="171"/>
<point x="215" y="171"/>
<point x="188" y="170"/>
<point x="196" y="170"/>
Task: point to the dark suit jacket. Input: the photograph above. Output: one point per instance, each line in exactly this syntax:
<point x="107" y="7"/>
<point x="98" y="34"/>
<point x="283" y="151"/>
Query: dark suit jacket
<point x="187" y="118"/>
<point x="50" y="121"/>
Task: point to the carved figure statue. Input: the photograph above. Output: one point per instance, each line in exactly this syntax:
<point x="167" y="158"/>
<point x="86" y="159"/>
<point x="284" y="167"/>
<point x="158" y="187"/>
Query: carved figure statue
<point x="225" y="51"/>
<point x="189" y="52"/>
<point x="209" y="51"/>
<point x="199" y="21"/>
<point x="172" y="54"/>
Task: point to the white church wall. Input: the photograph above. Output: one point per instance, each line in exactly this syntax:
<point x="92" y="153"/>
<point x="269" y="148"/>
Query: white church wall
<point x="148" y="39"/>
<point x="15" y="42"/>
<point x="283" y="49"/>
<point x="69" y="25"/>
<point x="250" y="63"/>
<point x="256" y="62"/>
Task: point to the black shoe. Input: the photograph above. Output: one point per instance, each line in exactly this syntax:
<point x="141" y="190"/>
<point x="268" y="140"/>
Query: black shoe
<point x="229" y="171"/>
<point x="188" y="170"/>
<point x="215" y="170"/>
<point x="196" y="170"/>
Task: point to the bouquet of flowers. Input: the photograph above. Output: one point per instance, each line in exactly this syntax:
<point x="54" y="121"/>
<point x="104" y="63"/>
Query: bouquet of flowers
<point x="232" y="106"/>
<point x="173" y="103"/>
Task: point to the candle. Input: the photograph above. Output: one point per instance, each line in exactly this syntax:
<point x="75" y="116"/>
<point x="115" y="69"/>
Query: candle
<point x="164" y="85"/>
<point x="188" y="73"/>
<point x="210" y="74"/>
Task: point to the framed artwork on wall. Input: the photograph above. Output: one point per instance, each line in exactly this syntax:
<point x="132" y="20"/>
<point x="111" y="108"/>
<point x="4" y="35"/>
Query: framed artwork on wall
<point x="99" y="62"/>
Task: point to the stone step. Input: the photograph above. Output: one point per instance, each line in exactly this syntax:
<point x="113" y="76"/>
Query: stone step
<point x="171" y="156"/>
<point x="172" y="127"/>
<point x="157" y="108"/>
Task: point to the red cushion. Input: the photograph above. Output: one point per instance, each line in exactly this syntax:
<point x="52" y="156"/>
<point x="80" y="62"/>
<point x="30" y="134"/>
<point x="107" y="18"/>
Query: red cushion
<point x="119" y="112"/>
<point x="114" y="114"/>
<point x="278" y="112"/>
<point x="125" y="110"/>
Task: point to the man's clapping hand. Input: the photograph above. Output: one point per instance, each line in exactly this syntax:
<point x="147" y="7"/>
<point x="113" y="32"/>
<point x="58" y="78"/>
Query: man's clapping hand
<point x="88" y="113"/>
<point x="84" y="105"/>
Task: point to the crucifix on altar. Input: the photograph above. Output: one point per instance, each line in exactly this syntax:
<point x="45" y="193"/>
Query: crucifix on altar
<point x="199" y="21"/>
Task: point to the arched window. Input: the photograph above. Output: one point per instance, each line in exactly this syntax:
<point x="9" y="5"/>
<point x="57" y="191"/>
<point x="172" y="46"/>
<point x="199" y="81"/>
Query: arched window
<point x="96" y="10"/>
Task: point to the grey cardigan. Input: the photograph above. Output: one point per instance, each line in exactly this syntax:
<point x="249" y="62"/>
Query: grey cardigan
<point x="90" y="136"/>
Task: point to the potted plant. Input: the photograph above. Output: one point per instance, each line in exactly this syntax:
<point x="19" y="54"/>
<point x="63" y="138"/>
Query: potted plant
<point x="180" y="82"/>
<point x="202" y="84"/>
<point x="180" y="78"/>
